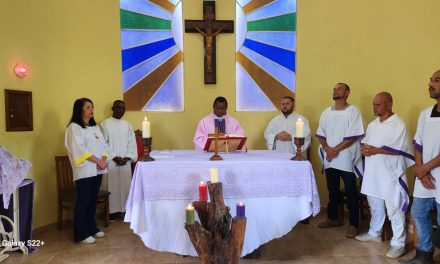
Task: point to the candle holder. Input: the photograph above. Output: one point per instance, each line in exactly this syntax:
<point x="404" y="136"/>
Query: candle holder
<point x="217" y="237"/>
<point x="299" y="142"/>
<point x="146" y="142"/>
<point x="216" y="156"/>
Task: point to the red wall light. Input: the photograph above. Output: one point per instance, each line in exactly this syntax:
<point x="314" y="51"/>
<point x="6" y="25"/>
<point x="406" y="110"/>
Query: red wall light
<point x="21" y="70"/>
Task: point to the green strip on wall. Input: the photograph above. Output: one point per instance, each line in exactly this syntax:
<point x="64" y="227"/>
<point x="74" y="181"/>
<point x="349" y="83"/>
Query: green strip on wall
<point x="131" y="20"/>
<point x="278" y="23"/>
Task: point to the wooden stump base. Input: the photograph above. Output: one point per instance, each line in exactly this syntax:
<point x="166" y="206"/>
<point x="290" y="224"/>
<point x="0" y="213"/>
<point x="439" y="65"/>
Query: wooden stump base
<point x="218" y="239"/>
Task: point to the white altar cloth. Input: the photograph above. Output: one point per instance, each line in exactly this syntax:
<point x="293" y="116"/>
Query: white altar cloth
<point x="277" y="192"/>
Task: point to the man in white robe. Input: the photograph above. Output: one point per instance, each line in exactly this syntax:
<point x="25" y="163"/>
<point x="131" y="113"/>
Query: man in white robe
<point x="426" y="194"/>
<point x="387" y="151"/>
<point x="339" y="132"/>
<point x="281" y="129"/>
<point x="121" y="139"/>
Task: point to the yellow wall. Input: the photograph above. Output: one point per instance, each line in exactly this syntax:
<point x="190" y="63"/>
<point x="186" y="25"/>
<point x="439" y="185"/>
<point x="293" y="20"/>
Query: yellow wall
<point x="371" y="45"/>
<point x="72" y="49"/>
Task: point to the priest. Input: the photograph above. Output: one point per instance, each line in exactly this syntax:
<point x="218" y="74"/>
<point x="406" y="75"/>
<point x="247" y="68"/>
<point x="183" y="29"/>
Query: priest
<point x="218" y="118"/>
<point x="120" y="137"/>
<point x="281" y="129"/>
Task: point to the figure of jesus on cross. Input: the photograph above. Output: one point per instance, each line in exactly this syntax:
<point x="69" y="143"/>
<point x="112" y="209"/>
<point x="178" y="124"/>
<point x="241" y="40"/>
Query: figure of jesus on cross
<point x="208" y="45"/>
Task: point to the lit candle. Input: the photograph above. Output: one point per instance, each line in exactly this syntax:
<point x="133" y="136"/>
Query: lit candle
<point x="203" y="192"/>
<point x="299" y="128"/>
<point x="241" y="210"/>
<point x="145" y="128"/>
<point x="189" y="214"/>
<point x="214" y="175"/>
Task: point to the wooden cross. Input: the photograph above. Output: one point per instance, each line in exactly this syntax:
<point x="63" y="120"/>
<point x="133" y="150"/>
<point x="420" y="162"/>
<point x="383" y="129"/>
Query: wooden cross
<point x="209" y="28"/>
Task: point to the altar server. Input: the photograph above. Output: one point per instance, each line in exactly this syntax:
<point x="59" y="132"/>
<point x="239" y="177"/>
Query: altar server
<point x="281" y="129"/>
<point x="120" y="137"/>
<point x="387" y="151"/>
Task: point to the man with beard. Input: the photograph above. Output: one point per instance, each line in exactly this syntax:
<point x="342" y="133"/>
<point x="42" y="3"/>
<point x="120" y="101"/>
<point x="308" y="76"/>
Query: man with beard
<point x="120" y="137"/>
<point x="281" y="129"/>
<point x="339" y="132"/>
<point x="426" y="194"/>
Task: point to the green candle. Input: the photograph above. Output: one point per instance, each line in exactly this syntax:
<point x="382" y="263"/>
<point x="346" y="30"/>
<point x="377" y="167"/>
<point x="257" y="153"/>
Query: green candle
<point x="189" y="214"/>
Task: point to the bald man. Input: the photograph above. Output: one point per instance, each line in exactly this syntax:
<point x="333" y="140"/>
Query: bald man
<point x="387" y="151"/>
<point x="427" y="170"/>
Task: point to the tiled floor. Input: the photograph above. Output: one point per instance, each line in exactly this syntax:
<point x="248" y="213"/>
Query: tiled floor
<point x="304" y="244"/>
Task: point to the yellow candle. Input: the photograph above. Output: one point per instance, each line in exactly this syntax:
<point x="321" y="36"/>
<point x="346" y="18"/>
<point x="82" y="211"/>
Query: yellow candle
<point x="214" y="175"/>
<point x="299" y="128"/>
<point x="145" y="128"/>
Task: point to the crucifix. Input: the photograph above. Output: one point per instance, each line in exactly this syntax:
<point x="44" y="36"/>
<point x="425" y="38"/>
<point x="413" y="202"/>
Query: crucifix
<point x="209" y="28"/>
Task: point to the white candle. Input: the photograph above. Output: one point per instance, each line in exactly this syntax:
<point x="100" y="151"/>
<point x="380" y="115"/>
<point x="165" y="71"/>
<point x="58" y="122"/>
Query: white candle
<point x="214" y="175"/>
<point x="145" y="128"/>
<point x="299" y="128"/>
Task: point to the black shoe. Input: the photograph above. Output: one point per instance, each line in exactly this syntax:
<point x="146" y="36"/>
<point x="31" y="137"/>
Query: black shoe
<point x="112" y="217"/>
<point x="421" y="257"/>
<point x="435" y="238"/>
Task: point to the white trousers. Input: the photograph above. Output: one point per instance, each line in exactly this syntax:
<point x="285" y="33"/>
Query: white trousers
<point x="396" y="216"/>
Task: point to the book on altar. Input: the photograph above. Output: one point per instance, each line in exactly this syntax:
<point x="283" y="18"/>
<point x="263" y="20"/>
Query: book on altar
<point x="162" y="154"/>
<point x="226" y="142"/>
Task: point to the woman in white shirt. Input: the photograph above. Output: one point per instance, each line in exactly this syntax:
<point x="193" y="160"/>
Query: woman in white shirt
<point x="86" y="148"/>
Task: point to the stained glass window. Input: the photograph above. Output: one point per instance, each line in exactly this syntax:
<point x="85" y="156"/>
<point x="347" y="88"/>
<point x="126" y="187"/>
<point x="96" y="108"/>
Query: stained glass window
<point x="152" y="55"/>
<point x="265" y="53"/>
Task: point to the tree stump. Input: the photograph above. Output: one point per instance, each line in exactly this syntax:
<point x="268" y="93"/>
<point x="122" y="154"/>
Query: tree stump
<point x="218" y="239"/>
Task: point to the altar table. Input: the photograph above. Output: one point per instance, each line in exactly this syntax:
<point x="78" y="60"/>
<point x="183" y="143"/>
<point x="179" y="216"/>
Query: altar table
<point x="15" y="220"/>
<point x="25" y="192"/>
<point x="277" y="192"/>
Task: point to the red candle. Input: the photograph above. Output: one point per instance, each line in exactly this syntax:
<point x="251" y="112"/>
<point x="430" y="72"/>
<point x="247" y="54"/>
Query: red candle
<point x="203" y="192"/>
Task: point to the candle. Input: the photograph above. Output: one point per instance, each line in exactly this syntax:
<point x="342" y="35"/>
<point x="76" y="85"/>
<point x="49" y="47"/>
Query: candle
<point x="203" y="192"/>
<point x="189" y="214"/>
<point x="145" y="128"/>
<point x="299" y="128"/>
<point x="241" y="210"/>
<point x="214" y="175"/>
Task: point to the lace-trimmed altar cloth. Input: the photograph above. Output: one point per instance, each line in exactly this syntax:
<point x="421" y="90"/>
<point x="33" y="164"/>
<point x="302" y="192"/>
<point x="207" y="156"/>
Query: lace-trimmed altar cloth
<point x="255" y="174"/>
<point x="12" y="173"/>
